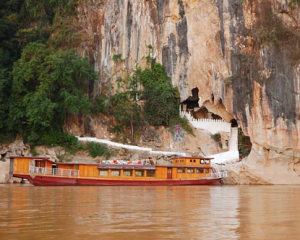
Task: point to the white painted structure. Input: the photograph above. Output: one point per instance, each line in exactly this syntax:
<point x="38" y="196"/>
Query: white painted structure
<point x="233" y="139"/>
<point x="120" y="145"/>
<point x="212" y="125"/>
<point x="233" y="154"/>
<point x="216" y="126"/>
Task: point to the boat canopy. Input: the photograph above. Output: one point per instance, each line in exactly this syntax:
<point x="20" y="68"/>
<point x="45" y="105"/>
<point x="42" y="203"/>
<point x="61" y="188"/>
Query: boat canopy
<point x="116" y="166"/>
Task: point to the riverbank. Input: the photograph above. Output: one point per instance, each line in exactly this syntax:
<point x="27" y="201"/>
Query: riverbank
<point x="243" y="172"/>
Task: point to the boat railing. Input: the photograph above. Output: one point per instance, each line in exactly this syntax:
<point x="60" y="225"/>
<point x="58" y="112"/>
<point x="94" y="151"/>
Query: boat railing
<point x="221" y="174"/>
<point x="54" y="171"/>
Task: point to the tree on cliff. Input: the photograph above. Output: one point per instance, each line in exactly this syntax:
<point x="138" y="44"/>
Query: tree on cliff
<point x="47" y="86"/>
<point x="125" y="107"/>
<point x="161" y="97"/>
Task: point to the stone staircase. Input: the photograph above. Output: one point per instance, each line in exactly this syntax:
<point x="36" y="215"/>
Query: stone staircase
<point x="215" y="126"/>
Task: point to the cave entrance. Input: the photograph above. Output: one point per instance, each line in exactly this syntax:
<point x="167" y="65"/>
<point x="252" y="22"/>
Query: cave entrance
<point x="234" y="123"/>
<point x="191" y="102"/>
<point x="193" y="106"/>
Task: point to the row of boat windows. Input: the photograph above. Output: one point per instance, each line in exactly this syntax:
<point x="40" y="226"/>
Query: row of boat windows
<point x="192" y="170"/>
<point x="146" y="173"/>
<point x="127" y="173"/>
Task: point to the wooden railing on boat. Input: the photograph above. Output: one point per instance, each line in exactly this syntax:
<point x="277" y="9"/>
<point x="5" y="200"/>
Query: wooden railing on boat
<point x="54" y="171"/>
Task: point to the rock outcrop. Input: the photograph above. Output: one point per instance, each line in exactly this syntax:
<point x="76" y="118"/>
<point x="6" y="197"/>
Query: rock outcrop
<point x="17" y="148"/>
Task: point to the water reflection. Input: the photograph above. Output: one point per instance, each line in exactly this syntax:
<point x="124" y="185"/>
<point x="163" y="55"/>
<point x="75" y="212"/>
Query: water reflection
<point x="192" y="212"/>
<point x="269" y="212"/>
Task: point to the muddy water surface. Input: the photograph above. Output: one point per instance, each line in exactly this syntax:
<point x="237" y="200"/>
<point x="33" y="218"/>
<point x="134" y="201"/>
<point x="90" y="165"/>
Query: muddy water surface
<point x="195" y="212"/>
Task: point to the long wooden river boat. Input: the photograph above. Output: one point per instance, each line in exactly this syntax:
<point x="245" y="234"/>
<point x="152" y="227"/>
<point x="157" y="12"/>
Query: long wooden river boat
<point x="42" y="171"/>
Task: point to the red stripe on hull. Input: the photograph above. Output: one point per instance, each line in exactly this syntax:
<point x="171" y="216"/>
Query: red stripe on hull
<point x="58" y="181"/>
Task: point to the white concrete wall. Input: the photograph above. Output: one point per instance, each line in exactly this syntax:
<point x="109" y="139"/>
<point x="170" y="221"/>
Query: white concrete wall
<point x="233" y="139"/>
<point x="216" y="126"/>
<point x="211" y="125"/>
<point x="226" y="157"/>
<point x="120" y="145"/>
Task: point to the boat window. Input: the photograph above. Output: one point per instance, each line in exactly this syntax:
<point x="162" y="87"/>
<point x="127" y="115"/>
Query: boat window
<point x="180" y="170"/>
<point x="115" y="173"/>
<point x="207" y="161"/>
<point x="194" y="160"/>
<point x="206" y="170"/>
<point x="191" y="160"/>
<point x="150" y="173"/>
<point x="139" y="173"/>
<point x="103" y="173"/>
<point x="202" y="161"/>
<point x="127" y="173"/>
<point x="190" y="170"/>
<point x="200" y="170"/>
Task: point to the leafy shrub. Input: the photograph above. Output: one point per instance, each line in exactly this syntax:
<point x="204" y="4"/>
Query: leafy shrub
<point x="98" y="149"/>
<point x="34" y="152"/>
<point x="161" y="103"/>
<point x="182" y="122"/>
<point x="216" y="137"/>
<point x="52" y="139"/>
<point x="244" y="144"/>
<point x="100" y="105"/>
<point x="293" y="4"/>
<point x="117" y="57"/>
<point x="48" y="86"/>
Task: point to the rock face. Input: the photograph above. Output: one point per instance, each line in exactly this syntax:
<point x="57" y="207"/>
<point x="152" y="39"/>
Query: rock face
<point x="17" y="148"/>
<point x="4" y="171"/>
<point x="222" y="47"/>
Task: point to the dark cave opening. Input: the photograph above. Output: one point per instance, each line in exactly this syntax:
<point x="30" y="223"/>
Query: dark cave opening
<point x="234" y="123"/>
<point x="191" y="105"/>
<point x="191" y="102"/>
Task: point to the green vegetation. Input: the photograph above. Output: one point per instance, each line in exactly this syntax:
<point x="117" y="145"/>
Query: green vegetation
<point x="98" y="149"/>
<point x="244" y="144"/>
<point x="293" y="4"/>
<point x="151" y="85"/>
<point x="182" y="122"/>
<point x="117" y="57"/>
<point x="43" y="81"/>
<point x="161" y="99"/>
<point x="47" y="86"/>
<point x="161" y="102"/>
<point x="34" y="152"/>
<point x="228" y="81"/>
<point x="216" y="137"/>
<point x="271" y="30"/>
<point x="124" y="104"/>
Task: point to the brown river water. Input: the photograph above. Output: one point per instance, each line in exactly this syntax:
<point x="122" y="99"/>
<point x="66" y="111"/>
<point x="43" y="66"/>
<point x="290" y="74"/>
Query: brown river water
<point x="186" y="212"/>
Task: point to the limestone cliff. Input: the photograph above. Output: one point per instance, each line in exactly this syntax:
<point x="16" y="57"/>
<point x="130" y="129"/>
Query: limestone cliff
<point x="236" y="52"/>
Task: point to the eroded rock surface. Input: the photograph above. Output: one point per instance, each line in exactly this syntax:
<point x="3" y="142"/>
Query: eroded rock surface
<point x="17" y="148"/>
<point x="214" y="46"/>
